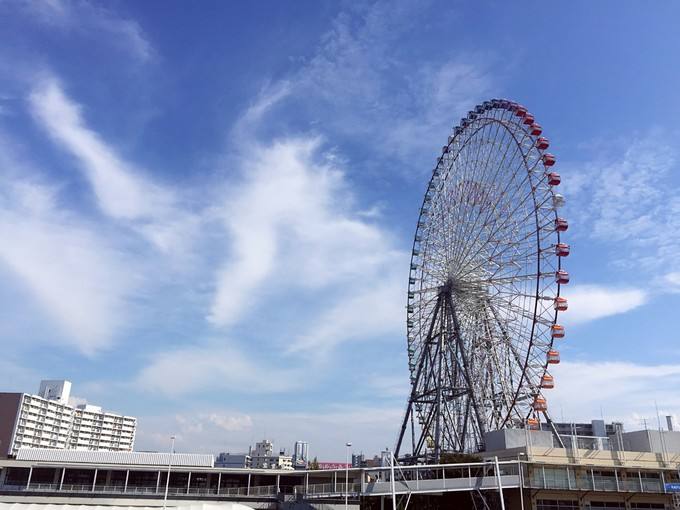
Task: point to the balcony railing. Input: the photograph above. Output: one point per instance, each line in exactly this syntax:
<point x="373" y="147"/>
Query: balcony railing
<point x="254" y="491"/>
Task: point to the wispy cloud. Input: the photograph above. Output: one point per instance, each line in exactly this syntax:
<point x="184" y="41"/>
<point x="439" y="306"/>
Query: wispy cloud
<point x="591" y="302"/>
<point x="358" y="314"/>
<point x="77" y="277"/>
<point x="327" y="430"/>
<point x="89" y="19"/>
<point x="215" y="368"/>
<point x="361" y="84"/>
<point x="621" y="390"/>
<point x="122" y="190"/>
<point x="628" y="199"/>
<point x="293" y="225"/>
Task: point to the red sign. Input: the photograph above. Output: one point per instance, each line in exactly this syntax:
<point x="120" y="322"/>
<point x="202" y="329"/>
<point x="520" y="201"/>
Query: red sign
<point x="333" y="465"/>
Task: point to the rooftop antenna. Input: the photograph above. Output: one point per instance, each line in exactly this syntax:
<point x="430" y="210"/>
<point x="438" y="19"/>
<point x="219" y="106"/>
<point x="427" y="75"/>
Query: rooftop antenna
<point x="661" y="438"/>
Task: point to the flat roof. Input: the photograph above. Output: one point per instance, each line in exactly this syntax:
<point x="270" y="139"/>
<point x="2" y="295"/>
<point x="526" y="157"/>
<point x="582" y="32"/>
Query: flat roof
<point x="116" y="458"/>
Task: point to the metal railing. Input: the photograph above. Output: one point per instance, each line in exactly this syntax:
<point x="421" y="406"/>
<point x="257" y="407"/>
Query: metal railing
<point x="254" y="491"/>
<point x="329" y="489"/>
<point x="407" y="479"/>
<point x="587" y="479"/>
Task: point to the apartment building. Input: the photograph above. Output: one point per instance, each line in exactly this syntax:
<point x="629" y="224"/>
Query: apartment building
<point x="47" y="420"/>
<point x="262" y="457"/>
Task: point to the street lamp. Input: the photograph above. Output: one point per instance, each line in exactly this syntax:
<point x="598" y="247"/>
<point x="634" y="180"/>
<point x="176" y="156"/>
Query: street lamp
<point x="521" y="478"/>
<point x="167" y="481"/>
<point x="348" y="445"/>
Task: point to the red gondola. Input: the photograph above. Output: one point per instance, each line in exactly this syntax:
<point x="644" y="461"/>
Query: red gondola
<point x="536" y="129"/>
<point x="561" y="225"/>
<point x="542" y="142"/>
<point x="561" y="304"/>
<point x="547" y="382"/>
<point x="562" y="249"/>
<point x="553" y="357"/>
<point x="540" y="404"/>
<point x="557" y="331"/>
<point x="554" y="178"/>
<point x="548" y="159"/>
<point x="562" y="277"/>
<point x="528" y="119"/>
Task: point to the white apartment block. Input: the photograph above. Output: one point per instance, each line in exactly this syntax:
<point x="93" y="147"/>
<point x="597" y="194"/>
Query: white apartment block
<point x="263" y="457"/>
<point x="47" y="420"/>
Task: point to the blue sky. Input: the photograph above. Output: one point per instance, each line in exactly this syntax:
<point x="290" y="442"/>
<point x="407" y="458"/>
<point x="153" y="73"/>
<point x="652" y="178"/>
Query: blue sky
<point x="206" y="209"/>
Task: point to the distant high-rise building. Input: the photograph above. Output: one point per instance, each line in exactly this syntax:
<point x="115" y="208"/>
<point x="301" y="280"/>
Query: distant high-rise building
<point x="47" y="420"/>
<point x="301" y="454"/>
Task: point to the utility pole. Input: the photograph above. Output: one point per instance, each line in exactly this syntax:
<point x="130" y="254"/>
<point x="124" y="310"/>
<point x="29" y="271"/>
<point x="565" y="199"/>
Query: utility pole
<point x="167" y="481"/>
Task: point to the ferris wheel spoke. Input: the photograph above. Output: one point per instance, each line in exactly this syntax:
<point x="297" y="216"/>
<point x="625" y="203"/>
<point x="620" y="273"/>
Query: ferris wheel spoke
<point x="467" y="182"/>
<point x="509" y="216"/>
<point x="465" y="227"/>
<point x="517" y="151"/>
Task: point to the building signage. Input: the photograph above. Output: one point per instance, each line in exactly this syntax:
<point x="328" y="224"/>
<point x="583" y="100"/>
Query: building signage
<point x="333" y="465"/>
<point x="673" y="487"/>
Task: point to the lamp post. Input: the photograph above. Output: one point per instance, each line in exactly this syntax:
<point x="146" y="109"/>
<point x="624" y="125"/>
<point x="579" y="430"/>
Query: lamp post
<point x="521" y="478"/>
<point x="167" y="481"/>
<point x="348" y="445"/>
<point x="500" y="482"/>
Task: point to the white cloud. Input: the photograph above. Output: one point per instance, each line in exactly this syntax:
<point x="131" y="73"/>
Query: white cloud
<point x="591" y="302"/>
<point x="92" y="20"/>
<point x="189" y="370"/>
<point x="361" y="83"/>
<point x="359" y="314"/>
<point x="215" y="423"/>
<point x="624" y="391"/>
<point x="77" y="277"/>
<point x="440" y="92"/>
<point x="629" y="201"/>
<point x="230" y="423"/>
<point x="293" y="225"/>
<point x="388" y="386"/>
<point x="369" y="428"/>
<point x="122" y="192"/>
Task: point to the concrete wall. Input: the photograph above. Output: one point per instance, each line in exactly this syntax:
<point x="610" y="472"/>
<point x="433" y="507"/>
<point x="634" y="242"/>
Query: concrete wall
<point x="516" y="438"/>
<point x="651" y="441"/>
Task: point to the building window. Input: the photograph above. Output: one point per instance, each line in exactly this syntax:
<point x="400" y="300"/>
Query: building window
<point x="607" y="505"/>
<point x="556" y="504"/>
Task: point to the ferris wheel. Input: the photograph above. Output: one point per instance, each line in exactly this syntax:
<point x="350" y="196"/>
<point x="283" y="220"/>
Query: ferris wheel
<point x="484" y="284"/>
